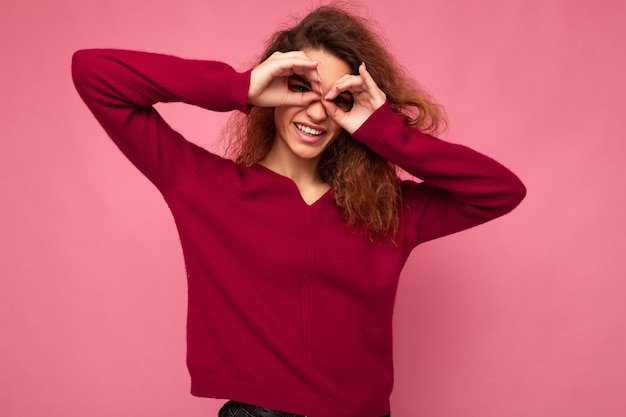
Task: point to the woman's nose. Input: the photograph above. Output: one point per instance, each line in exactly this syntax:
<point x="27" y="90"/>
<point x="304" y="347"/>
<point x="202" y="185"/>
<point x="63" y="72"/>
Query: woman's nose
<point x="316" y="111"/>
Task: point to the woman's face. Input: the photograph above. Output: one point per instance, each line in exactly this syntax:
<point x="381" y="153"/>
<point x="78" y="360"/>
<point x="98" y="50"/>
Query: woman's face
<point x="304" y="132"/>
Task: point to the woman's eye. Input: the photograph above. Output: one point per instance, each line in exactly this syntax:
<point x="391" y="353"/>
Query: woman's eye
<point x="344" y="101"/>
<point x="300" y="88"/>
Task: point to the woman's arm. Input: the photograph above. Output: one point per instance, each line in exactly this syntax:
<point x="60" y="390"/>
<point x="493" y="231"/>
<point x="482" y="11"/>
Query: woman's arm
<point x="120" y="87"/>
<point x="462" y="188"/>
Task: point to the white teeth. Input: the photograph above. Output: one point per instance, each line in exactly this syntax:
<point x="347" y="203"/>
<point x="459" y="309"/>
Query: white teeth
<point x="308" y="130"/>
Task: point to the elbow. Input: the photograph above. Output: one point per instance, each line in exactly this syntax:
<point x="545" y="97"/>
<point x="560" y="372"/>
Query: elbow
<point x="514" y="194"/>
<point x="80" y="68"/>
<point x="81" y="65"/>
<point x="85" y="62"/>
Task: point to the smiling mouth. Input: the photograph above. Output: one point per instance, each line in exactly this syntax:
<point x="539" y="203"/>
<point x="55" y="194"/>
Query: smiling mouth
<point x="308" y="130"/>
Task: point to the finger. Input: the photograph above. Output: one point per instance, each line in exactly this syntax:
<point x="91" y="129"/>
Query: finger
<point x="346" y="83"/>
<point x="314" y="77"/>
<point x="286" y="63"/>
<point x="305" y="68"/>
<point x="355" y="83"/>
<point x="377" y="96"/>
<point x="369" y="82"/>
<point x="301" y="99"/>
<point x="292" y="54"/>
<point x="332" y="110"/>
<point x="343" y="119"/>
<point x="300" y="66"/>
<point x="349" y="121"/>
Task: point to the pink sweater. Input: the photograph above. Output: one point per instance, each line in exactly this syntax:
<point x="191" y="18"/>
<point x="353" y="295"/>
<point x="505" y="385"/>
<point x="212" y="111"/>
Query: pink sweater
<point x="289" y="308"/>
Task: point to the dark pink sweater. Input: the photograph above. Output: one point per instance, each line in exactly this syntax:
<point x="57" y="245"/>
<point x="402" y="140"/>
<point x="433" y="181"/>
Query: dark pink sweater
<point x="289" y="308"/>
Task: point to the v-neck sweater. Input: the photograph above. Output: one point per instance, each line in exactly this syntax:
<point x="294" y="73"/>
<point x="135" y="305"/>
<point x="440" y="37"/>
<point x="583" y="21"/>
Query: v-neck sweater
<point x="289" y="307"/>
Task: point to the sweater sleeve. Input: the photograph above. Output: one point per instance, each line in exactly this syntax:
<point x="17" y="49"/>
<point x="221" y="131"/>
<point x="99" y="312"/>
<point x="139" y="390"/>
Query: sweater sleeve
<point x="120" y="87"/>
<point x="461" y="188"/>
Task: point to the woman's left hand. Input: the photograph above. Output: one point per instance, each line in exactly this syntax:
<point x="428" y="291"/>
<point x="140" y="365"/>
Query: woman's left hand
<point x="366" y="95"/>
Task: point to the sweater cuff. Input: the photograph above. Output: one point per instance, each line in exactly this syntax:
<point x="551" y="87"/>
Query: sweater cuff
<point x="378" y="126"/>
<point x="239" y="91"/>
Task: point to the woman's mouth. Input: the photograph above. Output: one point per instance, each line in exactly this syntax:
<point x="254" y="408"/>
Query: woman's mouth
<point x="309" y="130"/>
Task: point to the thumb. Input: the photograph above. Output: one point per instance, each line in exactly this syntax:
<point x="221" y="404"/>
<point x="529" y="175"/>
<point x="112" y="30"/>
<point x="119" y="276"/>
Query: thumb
<point x="301" y="99"/>
<point x="332" y="110"/>
<point x="336" y="114"/>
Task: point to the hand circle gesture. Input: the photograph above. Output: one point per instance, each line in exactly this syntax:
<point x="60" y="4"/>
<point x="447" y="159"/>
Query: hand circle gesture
<point x="349" y="101"/>
<point x="269" y="81"/>
<point x="367" y="96"/>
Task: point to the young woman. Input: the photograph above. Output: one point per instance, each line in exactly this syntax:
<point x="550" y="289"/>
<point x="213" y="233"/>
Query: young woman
<point x="293" y="249"/>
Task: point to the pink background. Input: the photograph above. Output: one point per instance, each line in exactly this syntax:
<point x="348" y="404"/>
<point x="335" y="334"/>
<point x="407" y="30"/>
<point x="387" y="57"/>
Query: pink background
<point x="521" y="317"/>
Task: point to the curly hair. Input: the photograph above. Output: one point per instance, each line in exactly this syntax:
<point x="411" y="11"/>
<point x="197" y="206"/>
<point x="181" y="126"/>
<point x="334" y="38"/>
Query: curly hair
<point x="366" y="187"/>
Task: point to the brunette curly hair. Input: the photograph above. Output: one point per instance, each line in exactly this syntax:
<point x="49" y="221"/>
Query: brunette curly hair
<point x="365" y="186"/>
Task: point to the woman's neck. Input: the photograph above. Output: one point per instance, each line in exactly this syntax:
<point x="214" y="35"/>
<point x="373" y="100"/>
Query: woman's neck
<point x="303" y="172"/>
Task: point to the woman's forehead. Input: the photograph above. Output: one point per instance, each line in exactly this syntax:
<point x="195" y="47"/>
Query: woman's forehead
<point x="330" y="67"/>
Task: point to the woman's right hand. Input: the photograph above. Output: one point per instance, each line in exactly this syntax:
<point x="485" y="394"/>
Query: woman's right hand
<point x="269" y="85"/>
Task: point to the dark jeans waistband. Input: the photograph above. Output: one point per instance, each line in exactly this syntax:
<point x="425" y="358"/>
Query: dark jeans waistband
<point x="234" y="409"/>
